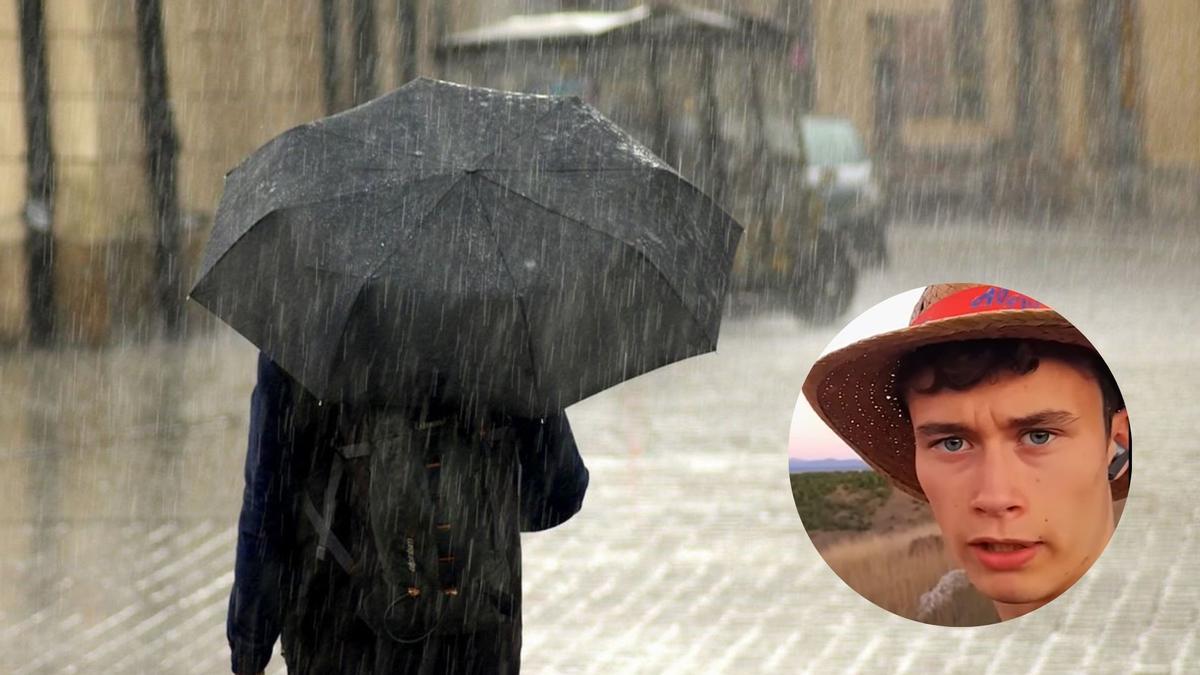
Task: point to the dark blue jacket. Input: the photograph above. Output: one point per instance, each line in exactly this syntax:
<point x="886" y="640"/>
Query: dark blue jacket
<point x="553" y="482"/>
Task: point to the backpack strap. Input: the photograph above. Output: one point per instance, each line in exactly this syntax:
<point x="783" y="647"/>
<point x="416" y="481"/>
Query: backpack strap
<point x="323" y="523"/>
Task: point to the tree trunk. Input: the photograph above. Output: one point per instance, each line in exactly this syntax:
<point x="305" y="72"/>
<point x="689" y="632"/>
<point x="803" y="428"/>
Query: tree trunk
<point x="162" y="148"/>
<point x="885" y="74"/>
<point x="366" y="51"/>
<point x="409" y="40"/>
<point x="662" y="131"/>
<point x="39" y="174"/>
<point x="761" y="218"/>
<point x="441" y="16"/>
<point x="1026" y="83"/>
<point x="712" y="127"/>
<point x="330" y="79"/>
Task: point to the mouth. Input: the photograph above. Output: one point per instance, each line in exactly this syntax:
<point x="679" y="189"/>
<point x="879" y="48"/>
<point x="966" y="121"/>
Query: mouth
<point x="1004" y="555"/>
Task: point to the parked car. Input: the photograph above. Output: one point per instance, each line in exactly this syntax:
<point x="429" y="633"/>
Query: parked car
<point x="844" y="176"/>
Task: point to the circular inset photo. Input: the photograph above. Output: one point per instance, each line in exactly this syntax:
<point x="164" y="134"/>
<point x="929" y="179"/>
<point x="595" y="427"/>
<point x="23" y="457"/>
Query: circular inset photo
<point x="960" y="455"/>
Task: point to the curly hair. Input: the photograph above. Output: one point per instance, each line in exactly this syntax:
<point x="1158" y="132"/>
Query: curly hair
<point x="962" y="365"/>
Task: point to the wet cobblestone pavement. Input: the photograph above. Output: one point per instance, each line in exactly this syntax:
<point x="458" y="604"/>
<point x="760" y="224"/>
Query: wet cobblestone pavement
<point x="120" y="472"/>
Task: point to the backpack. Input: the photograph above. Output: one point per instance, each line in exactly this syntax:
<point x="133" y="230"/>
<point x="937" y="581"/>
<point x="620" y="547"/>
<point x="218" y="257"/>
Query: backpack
<point x="410" y="522"/>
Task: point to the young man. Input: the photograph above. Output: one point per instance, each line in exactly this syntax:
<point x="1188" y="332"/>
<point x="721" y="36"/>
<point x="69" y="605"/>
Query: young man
<point x="1000" y="414"/>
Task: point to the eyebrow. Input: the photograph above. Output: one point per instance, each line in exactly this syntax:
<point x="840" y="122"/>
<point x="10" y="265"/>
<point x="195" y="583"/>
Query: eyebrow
<point x="1041" y="418"/>
<point x="943" y="429"/>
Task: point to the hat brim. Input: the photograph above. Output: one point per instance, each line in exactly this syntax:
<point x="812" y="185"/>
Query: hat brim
<point x="853" y="390"/>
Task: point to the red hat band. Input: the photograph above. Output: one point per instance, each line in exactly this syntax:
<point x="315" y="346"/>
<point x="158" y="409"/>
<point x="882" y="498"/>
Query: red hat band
<point x="976" y="300"/>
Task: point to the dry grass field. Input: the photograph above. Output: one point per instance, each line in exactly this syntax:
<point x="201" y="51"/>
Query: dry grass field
<point x="885" y="545"/>
<point x="900" y="570"/>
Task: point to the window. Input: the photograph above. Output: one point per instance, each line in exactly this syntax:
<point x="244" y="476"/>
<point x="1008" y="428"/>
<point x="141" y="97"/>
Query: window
<point x="941" y="62"/>
<point x="922" y="78"/>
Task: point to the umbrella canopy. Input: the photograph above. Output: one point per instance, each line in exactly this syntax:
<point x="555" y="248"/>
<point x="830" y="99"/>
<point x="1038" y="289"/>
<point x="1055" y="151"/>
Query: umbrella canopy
<point x="507" y="250"/>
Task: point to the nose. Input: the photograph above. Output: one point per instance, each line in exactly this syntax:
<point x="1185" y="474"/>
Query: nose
<point x="997" y="485"/>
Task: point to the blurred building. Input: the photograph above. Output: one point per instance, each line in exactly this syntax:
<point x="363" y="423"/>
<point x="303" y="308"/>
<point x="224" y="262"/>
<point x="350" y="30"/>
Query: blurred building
<point x="238" y="73"/>
<point x="1064" y="104"/>
<point x="1069" y="103"/>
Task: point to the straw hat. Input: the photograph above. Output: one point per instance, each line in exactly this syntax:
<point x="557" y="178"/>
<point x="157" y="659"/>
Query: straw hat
<point x="853" y="389"/>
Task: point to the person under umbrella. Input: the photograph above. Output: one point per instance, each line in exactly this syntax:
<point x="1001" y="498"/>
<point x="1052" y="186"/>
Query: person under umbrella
<point x="432" y="278"/>
<point x="323" y="630"/>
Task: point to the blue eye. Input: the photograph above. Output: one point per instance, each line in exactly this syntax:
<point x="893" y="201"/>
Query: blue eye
<point x="951" y="444"/>
<point x="1039" y="437"/>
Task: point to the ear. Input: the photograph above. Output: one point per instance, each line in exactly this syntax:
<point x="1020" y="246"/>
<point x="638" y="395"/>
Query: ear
<point x="1118" y="444"/>
<point x="1119" y="432"/>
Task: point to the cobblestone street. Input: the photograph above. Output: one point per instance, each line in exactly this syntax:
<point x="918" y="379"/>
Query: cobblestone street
<point x="121" y="476"/>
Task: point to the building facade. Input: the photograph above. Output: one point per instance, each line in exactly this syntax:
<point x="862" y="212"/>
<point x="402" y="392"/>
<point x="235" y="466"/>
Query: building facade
<point x="1074" y="104"/>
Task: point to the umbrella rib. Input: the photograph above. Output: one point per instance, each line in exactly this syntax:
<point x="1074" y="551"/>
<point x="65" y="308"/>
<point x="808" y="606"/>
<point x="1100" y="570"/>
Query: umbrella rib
<point x="474" y="163"/>
<point x="636" y="250"/>
<point x="323" y="200"/>
<point x="395" y="247"/>
<point x="532" y="125"/>
<point x="520" y="297"/>
<point x="370" y="275"/>
<point x="341" y="334"/>
<point x="654" y="161"/>
<point x="353" y="193"/>
<point x="614" y="169"/>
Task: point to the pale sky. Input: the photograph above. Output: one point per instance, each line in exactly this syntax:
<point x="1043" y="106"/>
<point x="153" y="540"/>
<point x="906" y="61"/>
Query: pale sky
<point x="810" y="438"/>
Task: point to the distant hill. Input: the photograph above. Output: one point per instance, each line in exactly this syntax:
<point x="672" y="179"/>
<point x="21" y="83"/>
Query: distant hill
<point x="820" y="465"/>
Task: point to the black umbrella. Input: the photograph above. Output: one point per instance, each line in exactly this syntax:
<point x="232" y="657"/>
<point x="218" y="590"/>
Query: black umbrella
<point x="516" y="251"/>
